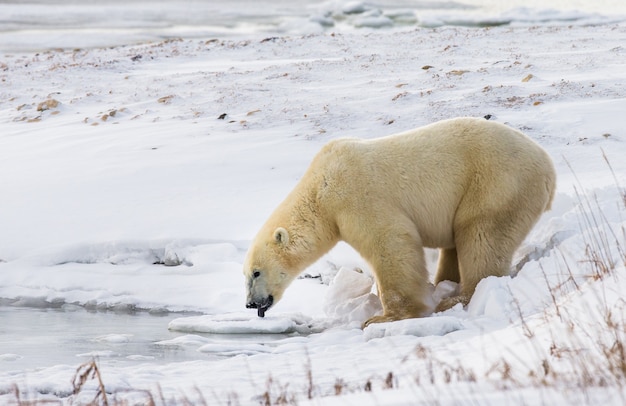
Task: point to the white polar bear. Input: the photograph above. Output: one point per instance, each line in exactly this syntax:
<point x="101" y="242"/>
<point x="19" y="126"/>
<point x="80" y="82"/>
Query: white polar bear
<point x="470" y="187"/>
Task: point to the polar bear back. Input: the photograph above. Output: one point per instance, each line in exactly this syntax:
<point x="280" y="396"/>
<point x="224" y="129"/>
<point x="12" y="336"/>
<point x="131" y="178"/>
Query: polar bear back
<point x="435" y="174"/>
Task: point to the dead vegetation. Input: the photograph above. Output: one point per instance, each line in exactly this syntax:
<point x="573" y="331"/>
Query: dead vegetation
<point x="86" y="372"/>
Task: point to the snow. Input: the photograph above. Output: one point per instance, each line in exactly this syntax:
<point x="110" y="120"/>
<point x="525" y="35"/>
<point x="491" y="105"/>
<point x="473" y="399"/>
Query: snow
<point x="349" y="298"/>
<point x="130" y="193"/>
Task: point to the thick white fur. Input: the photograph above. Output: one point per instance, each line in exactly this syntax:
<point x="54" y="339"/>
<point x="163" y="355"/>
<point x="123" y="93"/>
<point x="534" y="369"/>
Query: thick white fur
<point x="471" y="187"/>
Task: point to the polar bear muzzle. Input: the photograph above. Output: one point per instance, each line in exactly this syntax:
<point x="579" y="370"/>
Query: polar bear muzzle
<point x="261" y="305"/>
<point x="259" y="294"/>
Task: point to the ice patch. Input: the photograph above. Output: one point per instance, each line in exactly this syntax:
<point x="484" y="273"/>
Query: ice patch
<point x="355" y="7"/>
<point x="140" y="358"/>
<point x="534" y="15"/>
<point x="231" y="349"/>
<point x="373" y="19"/>
<point x="98" y="354"/>
<point x="10" y="357"/>
<point x="189" y="340"/>
<point x="114" y="338"/>
<point x="240" y="323"/>
<point x="422" y="327"/>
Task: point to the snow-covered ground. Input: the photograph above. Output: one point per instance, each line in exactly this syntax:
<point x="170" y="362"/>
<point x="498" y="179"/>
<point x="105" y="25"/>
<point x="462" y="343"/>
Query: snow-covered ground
<point x="134" y="177"/>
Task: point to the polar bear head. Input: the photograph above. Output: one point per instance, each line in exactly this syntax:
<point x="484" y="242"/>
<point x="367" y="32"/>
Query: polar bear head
<point x="270" y="266"/>
<point x="299" y="231"/>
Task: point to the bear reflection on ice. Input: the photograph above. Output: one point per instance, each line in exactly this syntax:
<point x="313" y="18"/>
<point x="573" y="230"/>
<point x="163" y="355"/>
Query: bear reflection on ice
<point x="470" y="187"/>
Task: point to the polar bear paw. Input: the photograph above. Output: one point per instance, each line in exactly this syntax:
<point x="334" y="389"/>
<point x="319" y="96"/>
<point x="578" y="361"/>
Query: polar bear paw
<point x="450" y="302"/>
<point x="378" y="319"/>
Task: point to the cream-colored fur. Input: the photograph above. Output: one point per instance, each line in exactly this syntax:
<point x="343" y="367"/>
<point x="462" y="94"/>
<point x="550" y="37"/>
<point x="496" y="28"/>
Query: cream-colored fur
<point x="471" y="187"/>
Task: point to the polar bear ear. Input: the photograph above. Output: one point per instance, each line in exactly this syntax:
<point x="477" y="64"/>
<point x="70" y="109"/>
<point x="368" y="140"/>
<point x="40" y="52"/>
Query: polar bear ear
<point x="281" y="236"/>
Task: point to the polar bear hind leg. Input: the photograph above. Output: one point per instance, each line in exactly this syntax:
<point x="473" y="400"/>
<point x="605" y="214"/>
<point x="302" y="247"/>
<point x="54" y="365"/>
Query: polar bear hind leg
<point x="485" y="247"/>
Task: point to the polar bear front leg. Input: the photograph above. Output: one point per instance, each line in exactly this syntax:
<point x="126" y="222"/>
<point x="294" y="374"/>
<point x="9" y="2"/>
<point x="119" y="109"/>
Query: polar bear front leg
<point x="402" y="280"/>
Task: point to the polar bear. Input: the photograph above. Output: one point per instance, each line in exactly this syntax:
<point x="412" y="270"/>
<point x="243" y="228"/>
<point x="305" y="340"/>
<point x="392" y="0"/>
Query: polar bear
<point x="472" y="188"/>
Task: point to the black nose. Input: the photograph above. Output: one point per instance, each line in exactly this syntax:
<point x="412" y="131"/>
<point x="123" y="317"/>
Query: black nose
<point x="262" y="307"/>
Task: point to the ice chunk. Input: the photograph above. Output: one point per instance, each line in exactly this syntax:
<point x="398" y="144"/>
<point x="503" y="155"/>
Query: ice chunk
<point x="189" y="340"/>
<point x="373" y="22"/>
<point x="348" y="298"/>
<point x="354" y="7"/>
<point x="10" y="357"/>
<point x="422" y="327"/>
<point x="234" y="323"/>
<point x="140" y="358"/>
<point x="114" y="338"/>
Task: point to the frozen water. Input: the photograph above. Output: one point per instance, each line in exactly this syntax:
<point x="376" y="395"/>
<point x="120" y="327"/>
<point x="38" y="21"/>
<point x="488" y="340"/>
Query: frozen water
<point x="49" y="24"/>
<point x="36" y="338"/>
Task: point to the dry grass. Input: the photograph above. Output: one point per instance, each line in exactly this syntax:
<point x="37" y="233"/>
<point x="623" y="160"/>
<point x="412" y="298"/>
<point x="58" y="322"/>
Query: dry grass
<point x="86" y="372"/>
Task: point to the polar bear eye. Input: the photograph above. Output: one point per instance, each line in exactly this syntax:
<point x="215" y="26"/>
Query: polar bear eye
<point x="256" y="274"/>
